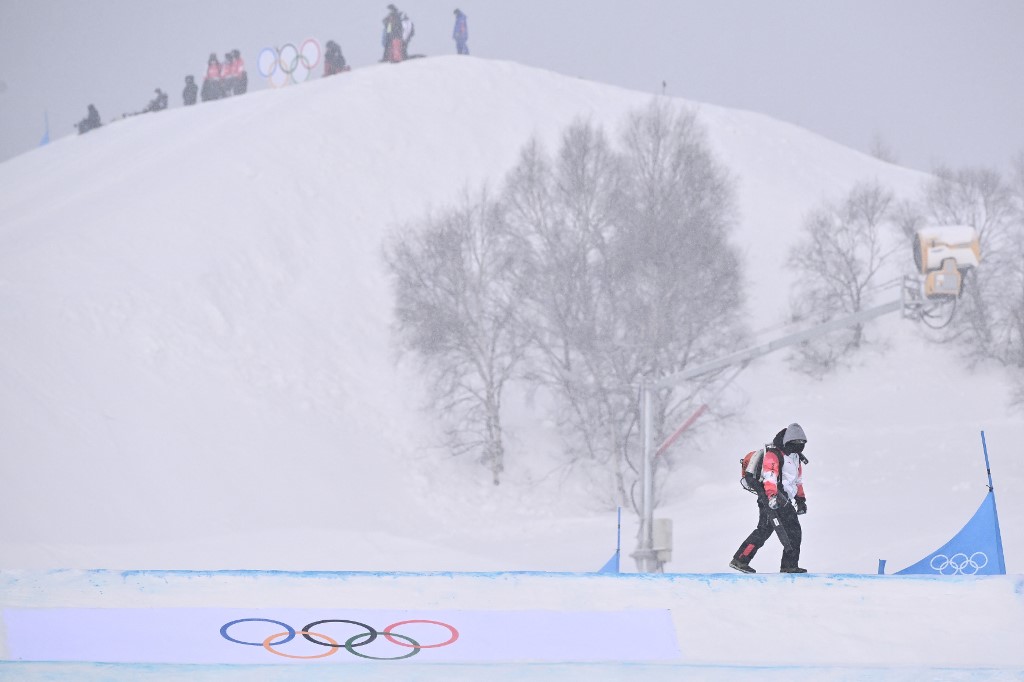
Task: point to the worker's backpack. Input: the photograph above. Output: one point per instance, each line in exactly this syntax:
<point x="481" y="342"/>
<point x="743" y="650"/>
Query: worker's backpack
<point x="750" y="467"/>
<point x="750" y="470"/>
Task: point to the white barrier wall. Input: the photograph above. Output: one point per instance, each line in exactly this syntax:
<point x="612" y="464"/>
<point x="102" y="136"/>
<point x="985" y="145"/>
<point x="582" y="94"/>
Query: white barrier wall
<point x="255" y="617"/>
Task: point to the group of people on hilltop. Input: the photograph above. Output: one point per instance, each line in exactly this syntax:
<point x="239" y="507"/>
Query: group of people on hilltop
<point x="92" y="117"/>
<point x="399" y="30"/>
<point x="227" y="78"/>
<point x="221" y="79"/>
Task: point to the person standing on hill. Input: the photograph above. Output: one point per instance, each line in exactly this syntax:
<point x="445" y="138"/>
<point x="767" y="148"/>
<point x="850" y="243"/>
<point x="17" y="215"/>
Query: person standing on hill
<point x="227" y="75"/>
<point x="241" y="78"/>
<point x="212" y="81"/>
<point x="393" y="39"/>
<point x="460" y="34"/>
<point x="779" y="484"/>
<point x="191" y="91"/>
<point x="408" y="31"/>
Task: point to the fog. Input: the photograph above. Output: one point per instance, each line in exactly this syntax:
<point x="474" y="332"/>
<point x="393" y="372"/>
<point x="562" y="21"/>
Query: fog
<point x="927" y="83"/>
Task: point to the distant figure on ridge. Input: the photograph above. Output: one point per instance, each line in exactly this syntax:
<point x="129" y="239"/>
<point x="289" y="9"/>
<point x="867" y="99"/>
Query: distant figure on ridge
<point x="393" y="41"/>
<point x="408" y="31"/>
<point x="334" y="60"/>
<point x="227" y="75"/>
<point x="460" y="34"/>
<point x="91" y="120"/>
<point x="191" y="91"/>
<point x="211" y="83"/>
<point x="158" y="103"/>
<point x="241" y="82"/>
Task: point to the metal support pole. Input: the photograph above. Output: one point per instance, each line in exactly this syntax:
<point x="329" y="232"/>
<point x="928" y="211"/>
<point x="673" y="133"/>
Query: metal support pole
<point x="648" y="477"/>
<point x="988" y="469"/>
<point x="646" y="561"/>
<point x="1000" y="559"/>
<point x="745" y="356"/>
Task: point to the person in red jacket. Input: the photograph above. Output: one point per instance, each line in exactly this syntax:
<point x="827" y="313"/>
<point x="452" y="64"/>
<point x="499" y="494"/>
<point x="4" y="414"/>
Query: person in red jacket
<point x="227" y="75"/>
<point x="235" y="76"/>
<point x="780" y="497"/>
<point x="393" y="37"/>
<point x="212" y="82"/>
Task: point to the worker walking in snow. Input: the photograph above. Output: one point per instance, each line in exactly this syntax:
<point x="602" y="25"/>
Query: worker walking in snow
<point x="775" y="475"/>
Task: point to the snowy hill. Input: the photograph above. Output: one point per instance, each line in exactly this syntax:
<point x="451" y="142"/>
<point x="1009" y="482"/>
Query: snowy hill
<point x="197" y="369"/>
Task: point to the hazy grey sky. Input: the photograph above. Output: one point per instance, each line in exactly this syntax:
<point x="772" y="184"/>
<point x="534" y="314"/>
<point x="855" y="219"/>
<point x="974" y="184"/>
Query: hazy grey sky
<point x="940" y="81"/>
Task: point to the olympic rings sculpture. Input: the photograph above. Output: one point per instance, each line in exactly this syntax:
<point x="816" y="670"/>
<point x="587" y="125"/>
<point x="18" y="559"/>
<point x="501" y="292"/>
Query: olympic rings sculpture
<point x="351" y="644"/>
<point x="288" y="64"/>
<point x="959" y="563"/>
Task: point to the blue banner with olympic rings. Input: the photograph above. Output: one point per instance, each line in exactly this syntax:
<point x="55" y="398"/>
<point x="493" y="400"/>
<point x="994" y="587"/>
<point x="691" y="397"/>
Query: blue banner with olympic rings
<point x="336" y="636"/>
<point x="976" y="550"/>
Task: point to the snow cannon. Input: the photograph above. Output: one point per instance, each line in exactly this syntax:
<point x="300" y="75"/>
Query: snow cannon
<point x="943" y="254"/>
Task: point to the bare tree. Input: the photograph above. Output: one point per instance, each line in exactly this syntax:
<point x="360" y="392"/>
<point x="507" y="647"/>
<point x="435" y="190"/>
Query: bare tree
<point x="838" y="261"/>
<point x="630" y="274"/>
<point x="982" y="199"/>
<point x="1015" y="284"/>
<point x="564" y="209"/>
<point x="908" y="216"/>
<point x="881" y="149"/>
<point x="680" y="276"/>
<point x="456" y="297"/>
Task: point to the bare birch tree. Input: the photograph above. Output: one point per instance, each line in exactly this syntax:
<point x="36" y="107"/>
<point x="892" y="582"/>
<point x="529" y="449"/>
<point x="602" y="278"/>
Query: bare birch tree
<point x="982" y="199"/>
<point x="1015" y="285"/>
<point x="455" y="307"/>
<point x="630" y="273"/>
<point x="838" y="262"/>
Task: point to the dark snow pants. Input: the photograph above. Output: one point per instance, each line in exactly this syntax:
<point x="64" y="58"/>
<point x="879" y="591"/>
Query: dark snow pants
<point x="790" y="523"/>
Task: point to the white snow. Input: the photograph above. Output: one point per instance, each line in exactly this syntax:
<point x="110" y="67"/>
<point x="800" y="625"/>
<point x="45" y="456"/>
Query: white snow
<point x="197" y="372"/>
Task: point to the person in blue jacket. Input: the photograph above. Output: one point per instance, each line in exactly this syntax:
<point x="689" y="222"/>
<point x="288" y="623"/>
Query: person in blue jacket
<point x="460" y="34"/>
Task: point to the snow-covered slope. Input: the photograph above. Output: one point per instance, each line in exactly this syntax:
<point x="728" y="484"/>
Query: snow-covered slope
<point x="197" y="370"/>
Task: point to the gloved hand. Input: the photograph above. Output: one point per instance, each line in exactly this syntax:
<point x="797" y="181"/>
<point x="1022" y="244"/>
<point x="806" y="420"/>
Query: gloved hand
<point x="801" y="505"/>
<point x="774" y="502"/>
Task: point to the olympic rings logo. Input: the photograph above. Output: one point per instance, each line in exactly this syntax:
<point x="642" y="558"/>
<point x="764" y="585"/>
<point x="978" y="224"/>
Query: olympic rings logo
<point x="959" y="564"/>
<point x="288" y="64"/>
<point x="360" y="639"/>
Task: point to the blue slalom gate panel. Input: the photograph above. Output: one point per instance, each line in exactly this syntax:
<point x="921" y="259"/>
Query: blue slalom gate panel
<point x="976" y="550"/>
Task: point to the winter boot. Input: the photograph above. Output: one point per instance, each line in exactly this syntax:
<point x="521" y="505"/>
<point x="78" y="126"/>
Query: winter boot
<point x="794" y="569"/>
<point x="741" y="566"/>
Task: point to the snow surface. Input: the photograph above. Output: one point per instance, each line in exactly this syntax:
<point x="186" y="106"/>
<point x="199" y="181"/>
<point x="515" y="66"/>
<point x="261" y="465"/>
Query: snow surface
<point x="197" y="369"/>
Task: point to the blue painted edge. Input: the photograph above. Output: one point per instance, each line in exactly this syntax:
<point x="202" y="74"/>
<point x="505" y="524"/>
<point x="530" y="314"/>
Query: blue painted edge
<point x="668" y="577"/>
